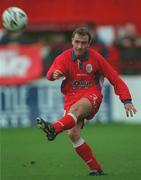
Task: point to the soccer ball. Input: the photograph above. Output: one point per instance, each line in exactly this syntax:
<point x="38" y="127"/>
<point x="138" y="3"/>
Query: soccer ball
<point x="14" y="19"/>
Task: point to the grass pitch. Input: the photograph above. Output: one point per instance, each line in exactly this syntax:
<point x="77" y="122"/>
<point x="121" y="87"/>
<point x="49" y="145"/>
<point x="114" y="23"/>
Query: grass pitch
<point x="27" y="155"/>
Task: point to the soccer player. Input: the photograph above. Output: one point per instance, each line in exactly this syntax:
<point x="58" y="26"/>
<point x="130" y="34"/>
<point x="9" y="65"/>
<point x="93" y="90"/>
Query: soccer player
<point x="83" y="70"/>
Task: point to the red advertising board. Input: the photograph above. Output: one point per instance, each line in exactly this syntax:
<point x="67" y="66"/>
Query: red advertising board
<point x="19" y="64"/>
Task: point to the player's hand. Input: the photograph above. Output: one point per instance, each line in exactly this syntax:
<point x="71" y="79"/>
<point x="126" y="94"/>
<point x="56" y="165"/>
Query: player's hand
<point x="57" y="74"/>
<point x="130" y="109"/>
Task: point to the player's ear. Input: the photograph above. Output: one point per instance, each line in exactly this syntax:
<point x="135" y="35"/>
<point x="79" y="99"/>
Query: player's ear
<point x="72" y="41"/>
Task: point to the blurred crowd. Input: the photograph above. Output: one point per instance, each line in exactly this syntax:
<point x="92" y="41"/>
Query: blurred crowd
<point x="123" y="52"/>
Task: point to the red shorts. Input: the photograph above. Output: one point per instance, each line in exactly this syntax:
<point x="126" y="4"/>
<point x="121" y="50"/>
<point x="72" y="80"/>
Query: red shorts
<point x="94" y="98"/>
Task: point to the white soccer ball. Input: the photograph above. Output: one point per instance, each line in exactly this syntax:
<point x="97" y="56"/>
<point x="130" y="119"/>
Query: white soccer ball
<point x="14" y="19"/>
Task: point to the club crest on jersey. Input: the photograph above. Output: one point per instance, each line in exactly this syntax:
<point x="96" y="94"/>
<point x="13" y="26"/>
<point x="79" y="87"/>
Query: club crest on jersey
<point x="89" y="68"/>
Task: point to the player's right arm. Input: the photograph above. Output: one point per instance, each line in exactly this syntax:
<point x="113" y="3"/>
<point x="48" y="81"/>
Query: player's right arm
<point x="57" y="69"/>
<point x="57" y="74"/>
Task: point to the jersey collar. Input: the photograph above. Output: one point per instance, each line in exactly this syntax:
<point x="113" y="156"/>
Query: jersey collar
<point x="85" y="57"/>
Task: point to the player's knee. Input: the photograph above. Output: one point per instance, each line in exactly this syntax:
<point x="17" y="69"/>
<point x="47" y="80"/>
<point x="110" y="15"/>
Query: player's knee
<point x="76" y="110"/>
<point x="81" y="109"/>
<point x="74" y="135"/>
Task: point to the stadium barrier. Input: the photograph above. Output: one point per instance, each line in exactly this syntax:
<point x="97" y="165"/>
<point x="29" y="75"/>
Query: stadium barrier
<point x="118" y="112"/>
<point x="20" y="105"/>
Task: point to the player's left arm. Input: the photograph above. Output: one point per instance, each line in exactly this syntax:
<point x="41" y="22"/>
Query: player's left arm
<point x="120" y="87"/>
<point x="130" y="109"/>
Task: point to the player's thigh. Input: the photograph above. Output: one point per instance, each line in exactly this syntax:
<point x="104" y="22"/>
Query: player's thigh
<point x="95" y="101"/>
<point x="81" y="108"/>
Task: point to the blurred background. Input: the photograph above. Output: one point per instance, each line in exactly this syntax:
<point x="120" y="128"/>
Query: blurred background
<point x="26" y="56"/>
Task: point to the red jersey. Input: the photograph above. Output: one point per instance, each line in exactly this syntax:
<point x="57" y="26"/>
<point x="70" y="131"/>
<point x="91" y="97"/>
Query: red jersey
<point x="86" y="74"/>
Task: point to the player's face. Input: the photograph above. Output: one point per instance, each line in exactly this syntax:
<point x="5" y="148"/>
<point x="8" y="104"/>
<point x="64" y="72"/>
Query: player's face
<point x="80" y="44"/>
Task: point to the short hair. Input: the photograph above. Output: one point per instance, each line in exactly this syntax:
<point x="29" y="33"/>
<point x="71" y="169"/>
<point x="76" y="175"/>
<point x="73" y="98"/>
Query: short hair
<point x="83" y="31"/>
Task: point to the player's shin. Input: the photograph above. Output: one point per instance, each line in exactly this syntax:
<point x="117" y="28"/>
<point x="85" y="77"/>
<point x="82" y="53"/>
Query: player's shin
<point x="67" y="122"/>
<point x="85" y="152"/>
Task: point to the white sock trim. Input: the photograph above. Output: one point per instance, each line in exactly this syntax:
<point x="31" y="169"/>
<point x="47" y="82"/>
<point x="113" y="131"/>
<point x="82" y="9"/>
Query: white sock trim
<point x="73" y="116"/>
<point x="61" y="123"/>
<point x="78" y="143"/>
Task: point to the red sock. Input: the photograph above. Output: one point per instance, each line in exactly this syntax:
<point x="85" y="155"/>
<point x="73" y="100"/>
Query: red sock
<point x="85" y="152"/>
<point x="67" y="122"/>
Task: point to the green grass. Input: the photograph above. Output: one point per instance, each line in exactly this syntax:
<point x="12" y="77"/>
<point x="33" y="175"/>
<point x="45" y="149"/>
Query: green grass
<point x="27" y="155"/>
